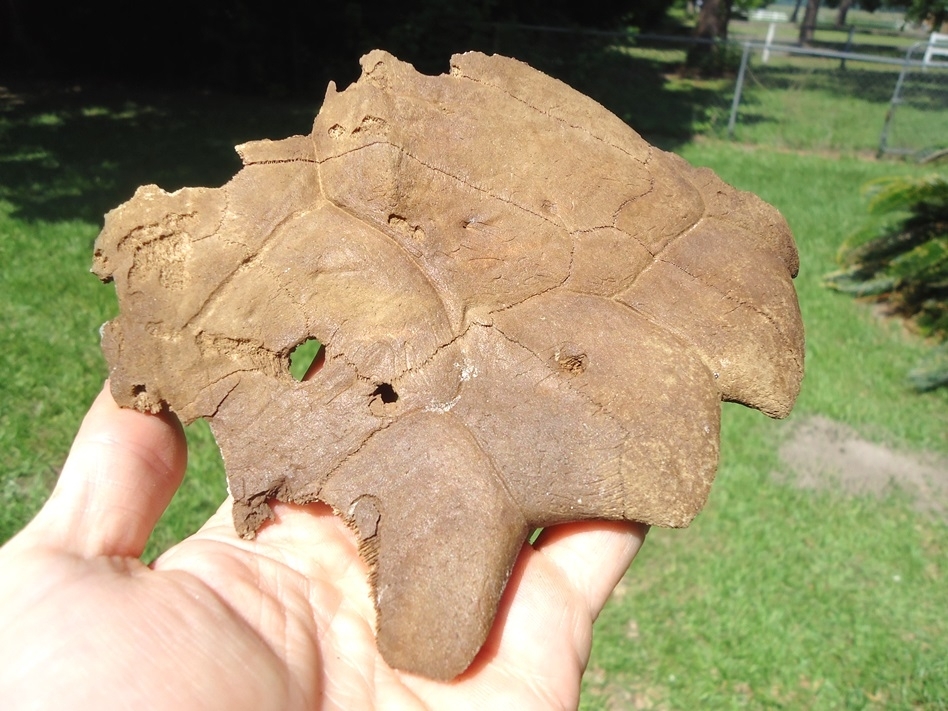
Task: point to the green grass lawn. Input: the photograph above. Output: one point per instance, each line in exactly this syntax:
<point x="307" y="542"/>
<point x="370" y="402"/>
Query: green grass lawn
<point x="67" y="157"/>
<point x="774" y="598"/>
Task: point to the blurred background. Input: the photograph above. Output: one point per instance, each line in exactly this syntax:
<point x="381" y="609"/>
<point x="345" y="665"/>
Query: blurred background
<point x="817" y="576"/>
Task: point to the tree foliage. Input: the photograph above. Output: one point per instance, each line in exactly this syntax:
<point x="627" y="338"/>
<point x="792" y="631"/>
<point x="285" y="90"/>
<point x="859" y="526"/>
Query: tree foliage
<point x="934" y="12"/>
<point x="901" y="257"/>
<point x="277" y="46"/>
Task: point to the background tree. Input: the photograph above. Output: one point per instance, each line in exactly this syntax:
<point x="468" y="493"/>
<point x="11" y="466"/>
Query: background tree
<point x="279" y="46"/>
<point x="934" y="13"/>
<point x="713" y="19"/>
<point x="842" y="8"/>
<point x="841" y="12"/>
<point x="712" y="56"/>
<point x="796" y="11"/>
<point x="808" y="26"/>
<point x="709" y="57"/>
<point x="901" y="258"/>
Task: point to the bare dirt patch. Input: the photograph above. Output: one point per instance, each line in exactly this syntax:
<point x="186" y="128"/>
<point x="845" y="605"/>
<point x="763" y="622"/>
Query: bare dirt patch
<point x="821" y="454"/>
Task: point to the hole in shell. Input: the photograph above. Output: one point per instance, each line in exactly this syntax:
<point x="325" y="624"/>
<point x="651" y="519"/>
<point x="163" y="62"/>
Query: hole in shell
<point x="382" y="400"/>
<point x="306" y="359"/>
<point x="384" y="392"/>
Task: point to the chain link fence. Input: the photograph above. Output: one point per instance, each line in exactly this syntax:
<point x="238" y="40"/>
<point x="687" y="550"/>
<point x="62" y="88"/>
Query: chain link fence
<point x="917" y="121"/>
<point x="819" y="99"/>
<point x="890" y="101"/>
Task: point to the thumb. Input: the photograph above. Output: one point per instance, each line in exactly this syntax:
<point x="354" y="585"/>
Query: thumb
<point x="119" y="477"/>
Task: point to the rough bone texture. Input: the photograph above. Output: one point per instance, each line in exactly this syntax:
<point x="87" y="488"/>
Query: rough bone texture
<point x="530" y="317"/>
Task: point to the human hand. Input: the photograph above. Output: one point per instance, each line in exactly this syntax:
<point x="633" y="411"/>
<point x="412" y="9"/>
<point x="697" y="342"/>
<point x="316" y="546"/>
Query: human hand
<point x="284" y="621"/>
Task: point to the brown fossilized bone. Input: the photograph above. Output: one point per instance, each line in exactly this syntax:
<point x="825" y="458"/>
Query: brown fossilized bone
<point x="530" y="316"/>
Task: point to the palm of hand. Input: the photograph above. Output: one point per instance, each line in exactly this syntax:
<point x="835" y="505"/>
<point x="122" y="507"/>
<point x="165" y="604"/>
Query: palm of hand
<point x="284" y="621"/>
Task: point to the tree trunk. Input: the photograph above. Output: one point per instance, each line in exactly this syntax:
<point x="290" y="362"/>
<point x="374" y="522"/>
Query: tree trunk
<point x="709" y="58"/>
<point x="841" y="13"/>
<point x="713" y="20"/>
<point x="796" y="11"/>
<point x="808" y="26"/>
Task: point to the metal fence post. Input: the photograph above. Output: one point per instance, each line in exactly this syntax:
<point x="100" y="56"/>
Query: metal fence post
<point x="739" y="86"/>
<point x="895" y="101"/>
<point x="771" y="31"/>
<point x="848" y="47"/>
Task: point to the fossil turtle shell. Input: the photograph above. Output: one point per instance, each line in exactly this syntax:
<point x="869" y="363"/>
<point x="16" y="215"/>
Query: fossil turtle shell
<point x="530" y="316"/>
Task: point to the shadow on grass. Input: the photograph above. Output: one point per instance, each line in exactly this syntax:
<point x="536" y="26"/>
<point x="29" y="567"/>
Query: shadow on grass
<point x="861" y="46"/>
<point x="75" y="152"/>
